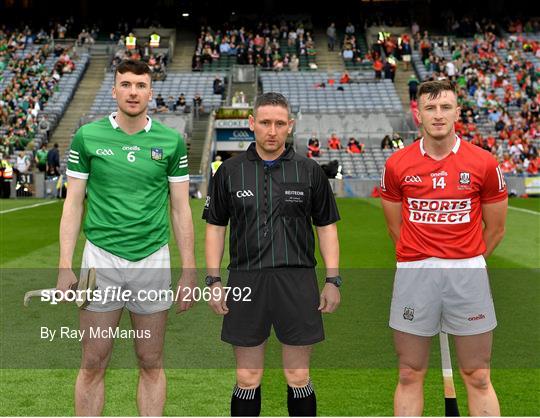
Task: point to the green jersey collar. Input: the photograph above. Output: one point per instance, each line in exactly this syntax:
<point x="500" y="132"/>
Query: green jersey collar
<point x="112" y="119"/>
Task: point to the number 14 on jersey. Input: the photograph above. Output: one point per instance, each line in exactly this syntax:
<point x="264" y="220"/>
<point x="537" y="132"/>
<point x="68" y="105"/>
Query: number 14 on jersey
<point x="438" y="182"/>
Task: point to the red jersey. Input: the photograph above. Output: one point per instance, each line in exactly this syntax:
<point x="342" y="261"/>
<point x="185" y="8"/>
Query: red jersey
<point x="441" y="200"/>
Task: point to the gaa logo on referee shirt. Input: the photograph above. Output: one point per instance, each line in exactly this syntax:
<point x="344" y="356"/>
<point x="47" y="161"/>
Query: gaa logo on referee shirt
<point x="244" y="193"/>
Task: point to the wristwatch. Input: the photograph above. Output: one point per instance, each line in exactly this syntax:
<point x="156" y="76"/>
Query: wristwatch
<point x="336" y="281"/>
<point x="210" y="280"/>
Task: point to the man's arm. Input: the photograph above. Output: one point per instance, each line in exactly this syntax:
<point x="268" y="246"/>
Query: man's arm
<point x="214" y="245"/>
<point x="329" y="247"/>
<point x="70" y="226"/>
<point x="182" y="224"/>
<point x="392" y="213"/>
<point x="494" y="217"/>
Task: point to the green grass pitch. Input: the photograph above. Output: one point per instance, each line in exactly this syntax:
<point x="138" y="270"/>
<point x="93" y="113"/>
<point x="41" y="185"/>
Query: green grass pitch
<point x="353" y="370"/>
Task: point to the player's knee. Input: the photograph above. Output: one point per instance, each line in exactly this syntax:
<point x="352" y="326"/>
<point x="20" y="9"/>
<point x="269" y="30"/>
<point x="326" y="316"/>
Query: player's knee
<point x="150" y="360"/>
<point x="91" y="375"/>
<point x="476" y="378"/>
<point x="94" y="362"/>
<point x="249" y="378"/>
<point x="409" y="376"/>
<point x="297" y="377"/>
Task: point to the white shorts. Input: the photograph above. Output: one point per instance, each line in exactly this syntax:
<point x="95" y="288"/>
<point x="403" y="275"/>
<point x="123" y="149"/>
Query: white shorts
<point x="434" y="294"/>
<point x="406" y="58"/>
<point x="143" y="287"/>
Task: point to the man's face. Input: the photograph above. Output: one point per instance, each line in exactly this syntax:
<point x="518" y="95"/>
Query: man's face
<point x="271" y="126"/>
<point x="438" y="115"/>
<point x="132" y="93"/>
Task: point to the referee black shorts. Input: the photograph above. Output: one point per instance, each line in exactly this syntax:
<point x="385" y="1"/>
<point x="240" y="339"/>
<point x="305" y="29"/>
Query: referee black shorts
<point x="288" y="299"/>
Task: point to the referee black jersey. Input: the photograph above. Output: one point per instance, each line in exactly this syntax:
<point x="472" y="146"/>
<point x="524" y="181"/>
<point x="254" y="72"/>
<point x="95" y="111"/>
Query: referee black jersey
<point x="270" y="209"/>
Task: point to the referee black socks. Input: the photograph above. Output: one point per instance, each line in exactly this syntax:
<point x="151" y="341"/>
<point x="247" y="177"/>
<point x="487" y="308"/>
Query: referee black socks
<point x="302" y="401"/>
<point x="246" y="402"/>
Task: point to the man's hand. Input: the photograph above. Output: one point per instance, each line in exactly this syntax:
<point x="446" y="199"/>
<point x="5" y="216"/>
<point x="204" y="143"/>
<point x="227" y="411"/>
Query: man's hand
<point x="330" y="298"/>
<point x="217" y="302"/>
<point x="184" y="293"/>
<point x="66" y="279"/>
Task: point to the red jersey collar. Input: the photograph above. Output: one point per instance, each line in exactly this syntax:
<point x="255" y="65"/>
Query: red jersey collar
<point x="454" y="149"/>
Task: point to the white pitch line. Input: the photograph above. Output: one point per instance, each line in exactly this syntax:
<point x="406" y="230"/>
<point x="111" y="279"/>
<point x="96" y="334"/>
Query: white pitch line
<point x="532" y="212"/>
<point x="28" y="207"/>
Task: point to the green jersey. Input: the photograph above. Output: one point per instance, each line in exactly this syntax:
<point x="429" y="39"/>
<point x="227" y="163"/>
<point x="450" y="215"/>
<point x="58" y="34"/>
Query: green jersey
<point x="42" y="156"/>
<point x="127" y="190"/>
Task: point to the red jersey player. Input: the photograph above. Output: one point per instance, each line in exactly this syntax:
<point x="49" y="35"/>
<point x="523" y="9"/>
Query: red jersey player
<point x="436" y="194"/>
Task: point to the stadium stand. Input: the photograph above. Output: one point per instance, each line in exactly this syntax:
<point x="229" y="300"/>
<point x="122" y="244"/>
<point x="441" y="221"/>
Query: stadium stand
<point x="289" y="47"/>
<point x="187" y="83"/>
<point x="38" y="82"/>
<point x="498" y="87"/>
<point x="321" y="92"/>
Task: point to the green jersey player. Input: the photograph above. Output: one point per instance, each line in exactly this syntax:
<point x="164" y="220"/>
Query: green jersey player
<point x="132" y="169"/>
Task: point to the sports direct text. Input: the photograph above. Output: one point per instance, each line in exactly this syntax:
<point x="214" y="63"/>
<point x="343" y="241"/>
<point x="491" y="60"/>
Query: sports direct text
<point x="439" y="211"/>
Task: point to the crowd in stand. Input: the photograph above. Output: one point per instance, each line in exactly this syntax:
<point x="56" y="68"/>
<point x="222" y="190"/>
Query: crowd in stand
<point x="484" y="71"/>
<point x="353" y="146"/>
<point x="156" y="62"/>
<point x="260" y="46"/>
<point x="30" y="87"/>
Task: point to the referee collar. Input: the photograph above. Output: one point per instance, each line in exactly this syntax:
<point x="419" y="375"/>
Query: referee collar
<point x="114" y="124"/>
<point x="252" y="155"/>
<point x="454" y="149"/>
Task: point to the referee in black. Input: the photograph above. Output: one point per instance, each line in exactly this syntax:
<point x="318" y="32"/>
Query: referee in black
<point x="271" y="196"/>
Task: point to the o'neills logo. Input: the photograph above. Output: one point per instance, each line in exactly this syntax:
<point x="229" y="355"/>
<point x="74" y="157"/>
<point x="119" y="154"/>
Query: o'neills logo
<point x="439" y="211"/>
<point x="477" y="317"/>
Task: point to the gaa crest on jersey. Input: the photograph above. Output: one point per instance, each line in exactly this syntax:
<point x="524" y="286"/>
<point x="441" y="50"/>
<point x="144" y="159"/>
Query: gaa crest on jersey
<point x="464" y="178"/>
<point x="408" y="313"/>
<point x="157" y="153"/>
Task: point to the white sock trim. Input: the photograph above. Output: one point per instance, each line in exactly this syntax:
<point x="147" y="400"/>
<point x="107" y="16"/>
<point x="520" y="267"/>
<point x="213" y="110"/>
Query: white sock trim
<point x="303" y="392"/>
<point x="244" y="394"/>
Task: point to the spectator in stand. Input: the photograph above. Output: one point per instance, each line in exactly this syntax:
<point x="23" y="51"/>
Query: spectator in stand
<point x="413" y="87"/>
<point x="218" y="87"/>
<point x="171" y="104"/>
<point x="314" y="148"/>
<point x="160" y="104"/>
<point x="354" y="147"/>
<point x="348" y="53"/>
<point x="345" y="78"/>
<point x="507" y="164"/>
<point x="378" y="68"/>
<point x="198" y="104"/>
<point x="41" y="158"/>
<point x="406" y="51"/>
<point x="397" y="141"/>
<point x="386" y="142"/>
<point x="294" y="63"/>
<point x="53" y="161"/>
<point x="331" y="36"/>
<point x="44" y="126"/>
<point x="22" y="165"/>
<point x="334" y="142"/>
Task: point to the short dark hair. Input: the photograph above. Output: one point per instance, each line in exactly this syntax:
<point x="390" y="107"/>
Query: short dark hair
<point x="133" y="66"/>
<point x="271" y="99"/>
<point x="434" y="88"/>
